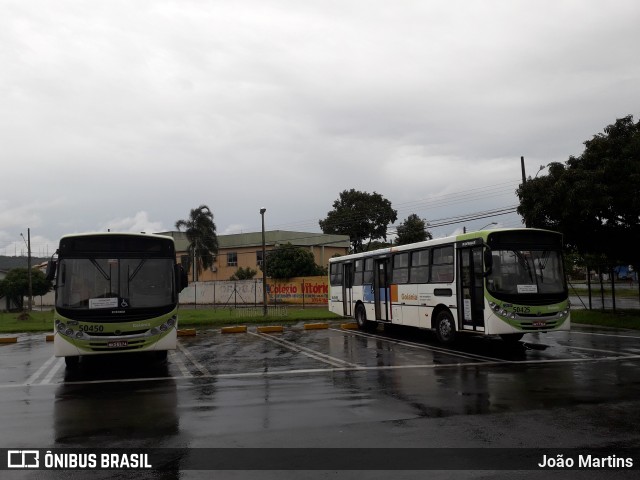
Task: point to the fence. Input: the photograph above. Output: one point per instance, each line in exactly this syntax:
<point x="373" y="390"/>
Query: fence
<point x="296" y="291"/>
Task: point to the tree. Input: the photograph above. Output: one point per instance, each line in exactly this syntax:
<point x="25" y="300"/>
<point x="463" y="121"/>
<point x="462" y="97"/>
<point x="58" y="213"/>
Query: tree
<point x="244" y="274"/>
<point x="412" y="230"/>
<point x="361" y="215"/>
<point x="593" y="199"/>
<point x="201" y="233"/>
<point x="288" y="261"/>
<point x="15" y="285"/>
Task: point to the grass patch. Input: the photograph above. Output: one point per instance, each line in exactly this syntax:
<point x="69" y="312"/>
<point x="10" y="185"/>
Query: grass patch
<point x="208" y="317"/>
<point x="620" y="319"/>
<point x="226" y="316"/>
<point x="37" y="321"/>
<point x="26" y="322"/>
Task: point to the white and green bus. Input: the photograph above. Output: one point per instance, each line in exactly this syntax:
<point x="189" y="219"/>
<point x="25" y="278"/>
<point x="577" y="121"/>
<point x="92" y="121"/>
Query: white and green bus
<point x="505" y="282"/>
<point x="115" y="292"/>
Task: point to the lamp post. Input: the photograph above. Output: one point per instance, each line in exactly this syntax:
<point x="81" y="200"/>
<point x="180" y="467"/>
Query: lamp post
<point x="488" y="225"/>
<point x="264" y="267"/>
<point x="28" y="242"/>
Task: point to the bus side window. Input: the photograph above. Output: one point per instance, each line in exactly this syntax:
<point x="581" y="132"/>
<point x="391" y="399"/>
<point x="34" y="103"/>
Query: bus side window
<point x="401" y="268"/>
<point x="359" y="272"/>
<point x="419" y="266"/>
<point x="367" y="275"/>
<point x="335" y="277"/>
<point x="442" y="265"/>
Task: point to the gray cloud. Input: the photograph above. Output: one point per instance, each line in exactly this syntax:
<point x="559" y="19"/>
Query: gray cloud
<point x="128" y="114"/>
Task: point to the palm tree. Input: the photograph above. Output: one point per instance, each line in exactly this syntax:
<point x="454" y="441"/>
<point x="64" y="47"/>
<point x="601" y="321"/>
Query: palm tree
<point x="201" y="233"/>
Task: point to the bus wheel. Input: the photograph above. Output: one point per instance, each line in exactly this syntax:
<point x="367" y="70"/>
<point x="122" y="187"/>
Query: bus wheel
<point x="72" y="362"/>
<point x="445" y="328"/>
<point x="361" y="319"/>
<point x="512" y="337"/>
<point x="161" y="356"/>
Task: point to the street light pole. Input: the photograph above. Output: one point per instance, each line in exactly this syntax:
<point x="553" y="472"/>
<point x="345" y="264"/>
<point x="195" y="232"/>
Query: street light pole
<point x="264" y="267"/>
<point x="28" y="242"/>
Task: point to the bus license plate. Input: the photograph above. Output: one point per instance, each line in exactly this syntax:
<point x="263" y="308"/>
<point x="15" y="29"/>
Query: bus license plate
<point x="539" y="323"/>
<point x="117" y="344"/>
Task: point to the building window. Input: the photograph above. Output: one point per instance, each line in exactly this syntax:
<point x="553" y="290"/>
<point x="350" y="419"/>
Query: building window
<point x="259" y="258"/>
<point x="232" y="259"/>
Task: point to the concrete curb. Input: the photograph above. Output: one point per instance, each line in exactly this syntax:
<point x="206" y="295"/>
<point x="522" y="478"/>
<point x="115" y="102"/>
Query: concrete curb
<point x="270" y="329"/>
<point x="187" y="332"/>
<point x="315" y="326"/>
<point x="349" y="326"/>
<point x="236" y="329"/>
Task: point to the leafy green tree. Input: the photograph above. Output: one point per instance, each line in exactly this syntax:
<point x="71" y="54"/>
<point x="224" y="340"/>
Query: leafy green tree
<point x="15" y="285"/>
<point x="413" y="229"/>
<point x="201" y="233"/>
<point x="244" y="274"/>
<point x="361" y="215"/>
<point x="593" y="199"/>
<point x="288" y="261"/>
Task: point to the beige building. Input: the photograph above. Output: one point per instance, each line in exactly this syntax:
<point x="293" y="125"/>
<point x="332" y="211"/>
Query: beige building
<point x="245" y="250"/>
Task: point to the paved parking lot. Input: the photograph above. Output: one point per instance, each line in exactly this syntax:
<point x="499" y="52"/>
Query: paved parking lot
<point x="330" y="388"/>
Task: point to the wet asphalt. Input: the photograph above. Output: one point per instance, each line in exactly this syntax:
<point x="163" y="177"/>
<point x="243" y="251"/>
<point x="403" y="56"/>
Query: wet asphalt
<point x="327" y="389"/>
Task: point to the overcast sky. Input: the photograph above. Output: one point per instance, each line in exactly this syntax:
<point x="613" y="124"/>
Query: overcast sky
<point x="127" y="114"/>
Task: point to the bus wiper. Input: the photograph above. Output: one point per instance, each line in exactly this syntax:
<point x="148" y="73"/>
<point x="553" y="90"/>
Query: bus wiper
<point x="137" y="269"/>
<point x="525" y="264"/>
<point x="106" y="276"/>
<point x="542" y="264"/>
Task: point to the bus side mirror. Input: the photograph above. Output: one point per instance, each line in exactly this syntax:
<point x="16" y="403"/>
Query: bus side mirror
<point x="182" y="279"/>
<point x="51" y="270"/>
<point x="488" y="261"/>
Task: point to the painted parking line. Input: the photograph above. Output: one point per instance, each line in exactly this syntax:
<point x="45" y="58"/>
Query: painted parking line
<point x="54" y="369"/>
<point x="421" y="346"/>
<point x="635" y="337"/>
<point x="175" y="359"/>
<point x="328" y="359"/>
<point x="609" y="352"/>
<point x="193" y="360"/>
<point x="32" y="379"/>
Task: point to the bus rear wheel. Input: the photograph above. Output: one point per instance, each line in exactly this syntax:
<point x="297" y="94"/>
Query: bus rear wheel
<point x="361" y="319"/>
<point x="445" y="327"/>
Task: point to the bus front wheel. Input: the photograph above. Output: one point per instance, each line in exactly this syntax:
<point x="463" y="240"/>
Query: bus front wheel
<point x="512" y="337"/>
<point x="72" y="362"/>
<point x="445" y="327"/>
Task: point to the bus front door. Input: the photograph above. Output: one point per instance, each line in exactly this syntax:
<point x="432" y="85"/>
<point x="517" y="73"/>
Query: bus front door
<point x="381" y="289"/>
<point x="471" y="288"/>
<point x="347" y="282"/>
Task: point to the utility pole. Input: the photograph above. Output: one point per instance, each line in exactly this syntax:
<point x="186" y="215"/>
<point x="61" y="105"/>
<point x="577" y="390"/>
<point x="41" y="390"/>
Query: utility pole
<point x="28" y="242"/>
<point x="524" y="180"/>
<point x="264" y="267"/>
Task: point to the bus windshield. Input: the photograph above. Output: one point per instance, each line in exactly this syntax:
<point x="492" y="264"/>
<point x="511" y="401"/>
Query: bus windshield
<point x="517" y="272"/>
<point x="94" y="283"/>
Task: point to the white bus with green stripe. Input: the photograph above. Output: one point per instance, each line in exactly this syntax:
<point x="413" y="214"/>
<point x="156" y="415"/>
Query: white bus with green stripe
<point x="115" y="293"/>
<point x="505" y="282"/>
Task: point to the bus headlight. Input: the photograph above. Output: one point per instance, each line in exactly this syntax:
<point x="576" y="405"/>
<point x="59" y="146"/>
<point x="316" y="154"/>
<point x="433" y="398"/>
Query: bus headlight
<point x="60" y="326"/>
